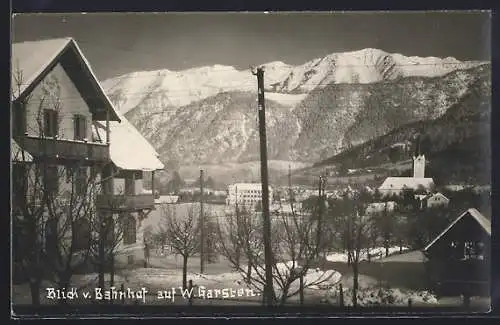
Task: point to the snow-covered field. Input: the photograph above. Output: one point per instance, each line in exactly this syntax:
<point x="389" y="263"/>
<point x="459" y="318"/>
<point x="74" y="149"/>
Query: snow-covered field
<point x="314" y="279"/>
<point x="375" y="253"/>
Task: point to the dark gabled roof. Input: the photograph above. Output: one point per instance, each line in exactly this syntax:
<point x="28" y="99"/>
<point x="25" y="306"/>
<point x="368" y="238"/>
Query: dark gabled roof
<point x="35" y="59"/>
<point x="484" y="222"/>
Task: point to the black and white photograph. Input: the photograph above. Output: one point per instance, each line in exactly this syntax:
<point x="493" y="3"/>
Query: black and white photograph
<point x="339" y="160"/>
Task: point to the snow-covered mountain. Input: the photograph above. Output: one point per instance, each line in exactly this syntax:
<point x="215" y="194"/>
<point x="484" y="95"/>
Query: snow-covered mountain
<point x="165" y="88"/>
<point x="207" y="115"/>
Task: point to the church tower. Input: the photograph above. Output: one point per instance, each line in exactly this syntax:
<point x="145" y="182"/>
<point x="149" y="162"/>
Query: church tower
<point x="418" y="161"/>
<point x="419" y="166"/>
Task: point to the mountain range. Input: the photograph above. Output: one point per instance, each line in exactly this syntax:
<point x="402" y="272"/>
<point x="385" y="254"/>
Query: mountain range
<point x="207" y="116"/>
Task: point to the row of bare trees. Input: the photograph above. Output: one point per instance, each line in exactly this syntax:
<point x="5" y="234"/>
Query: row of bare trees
<point x="301" y="236"/>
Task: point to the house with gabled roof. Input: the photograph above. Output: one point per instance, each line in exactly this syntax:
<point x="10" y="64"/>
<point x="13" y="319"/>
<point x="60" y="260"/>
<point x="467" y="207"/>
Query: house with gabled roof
<point x="55" y="101"/>
<point x="458" y="259"/>
<point x="433" y="200"/>
<point x="62" y="119"/>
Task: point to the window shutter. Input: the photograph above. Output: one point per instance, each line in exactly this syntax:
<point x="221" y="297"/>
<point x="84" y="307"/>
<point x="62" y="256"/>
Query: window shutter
<point x="83" y="131"/>
<point x="55" y="122"/>
<point x="75" y="128"/>
<point x="46" y="123"/>
<point x="19" y="119"/>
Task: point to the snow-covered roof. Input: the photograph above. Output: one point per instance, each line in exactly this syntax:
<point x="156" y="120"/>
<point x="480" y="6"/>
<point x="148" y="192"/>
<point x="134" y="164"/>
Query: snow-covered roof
<point x="167" y="199"/>
<point x="476" y="215"/>
<point x="16" y="153"/>
<point x="129" y="150"/>
<point x="400" y="183"/>
<point x="247" y="186"/>
<point x="440" y="195"/>
<point x="33" y="59"/>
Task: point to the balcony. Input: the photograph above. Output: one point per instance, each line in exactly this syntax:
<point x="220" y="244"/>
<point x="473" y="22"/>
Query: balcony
<point x="123" y="203"/>
<point x="65" y="149"/>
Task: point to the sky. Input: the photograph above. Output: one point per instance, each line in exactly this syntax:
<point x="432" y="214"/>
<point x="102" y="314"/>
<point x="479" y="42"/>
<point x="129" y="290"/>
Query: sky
<point x="120" y="43"/>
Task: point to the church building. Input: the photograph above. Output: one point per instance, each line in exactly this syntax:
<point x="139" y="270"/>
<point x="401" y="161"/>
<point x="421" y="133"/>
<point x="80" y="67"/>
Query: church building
<point x="395" y="185"/>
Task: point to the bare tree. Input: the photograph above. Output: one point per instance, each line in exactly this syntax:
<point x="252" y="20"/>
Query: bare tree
<point x="182" y="234"/>
<point x="357" y="228"/>
<point x="53" y="223"/>
<point x="148" y="239"/>
<point x="384" y="226"/>
<point x="108" y="227"/>
<point x="295" y="244"/>
<point x="68" y="233"/>
<point x="240" y="237"/>
<point x="29" y="204"/>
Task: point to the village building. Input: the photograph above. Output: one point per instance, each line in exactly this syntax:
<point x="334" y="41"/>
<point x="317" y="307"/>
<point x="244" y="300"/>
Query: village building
<point x="458" y="259"/>
<point x="247" y="195"/>
<point x="418" y="182"/>
<point x="381" y="207"/>
<point x="64" y="125"/>
<point x="433" y="200"/>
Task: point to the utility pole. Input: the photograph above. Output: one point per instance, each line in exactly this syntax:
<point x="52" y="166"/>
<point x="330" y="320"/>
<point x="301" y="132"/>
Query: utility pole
<point x="268" y="289"/>
<point x="320" y="213"/>
<point x="202" y="227"/>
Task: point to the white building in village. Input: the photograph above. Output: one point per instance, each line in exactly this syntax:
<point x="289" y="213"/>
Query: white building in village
<point x="433" y="200"/>
<point x="395" y="185"/>
<point x="246" y="194"/>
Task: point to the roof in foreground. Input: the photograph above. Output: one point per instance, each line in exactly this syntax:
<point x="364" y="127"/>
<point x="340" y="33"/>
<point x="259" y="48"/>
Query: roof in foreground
<point x="31" y="59"/>
<point x="484" y="222"/>
<point x="16" y="153"/>
<point x="129" y="150"/>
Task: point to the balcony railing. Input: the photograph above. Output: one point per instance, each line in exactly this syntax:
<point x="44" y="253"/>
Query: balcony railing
<point x="65" y="149"/>
<point x="125" y="202"/>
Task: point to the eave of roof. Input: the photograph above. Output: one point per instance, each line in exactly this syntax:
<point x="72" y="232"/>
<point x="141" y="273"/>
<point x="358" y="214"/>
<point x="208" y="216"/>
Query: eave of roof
<point x="482" y="221"/>
<point x="42" y="68"/>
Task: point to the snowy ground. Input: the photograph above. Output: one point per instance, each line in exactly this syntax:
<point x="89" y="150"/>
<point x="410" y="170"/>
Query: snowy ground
<point x="167" y="281"/>
<point x="375" y="253"/>
<point x="383" y="296"/>
<point x="164" y="279"/>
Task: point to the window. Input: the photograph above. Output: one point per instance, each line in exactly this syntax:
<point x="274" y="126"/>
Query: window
<point x="51" y="240"/>
<point x="129" y="186"/>
<point x="50" y="122"/>
<point x="129" y="230"/>
<point x="110" y="233"/>
<point x="18" y="120"/>
<point x="78" y="178"/>
<point x="81" y="235"/>
<point x="94" y="171"/>
<point x="69" y="175"/>
<point x="19" y="184"/>
<point x="51" y="179"/>
<point x="80" y="181"/>
<point x="474" y="250"/>
<point x="80" y="127"/>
